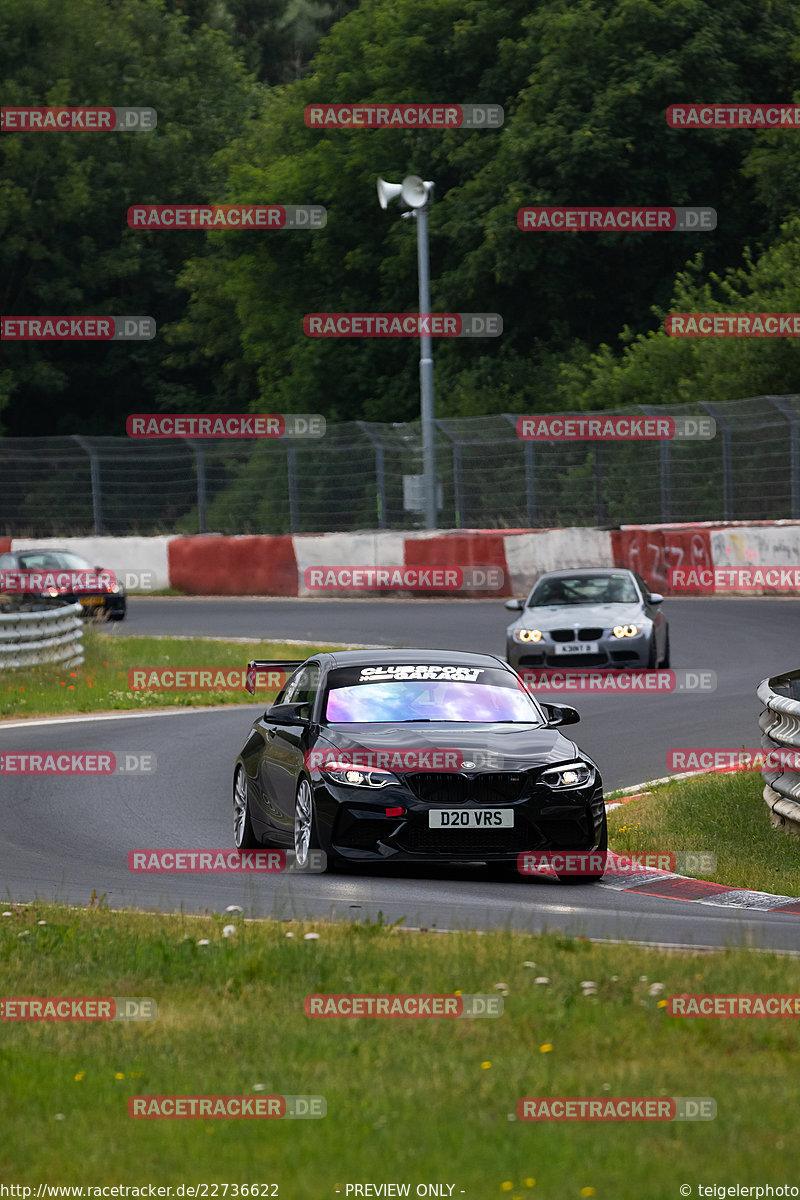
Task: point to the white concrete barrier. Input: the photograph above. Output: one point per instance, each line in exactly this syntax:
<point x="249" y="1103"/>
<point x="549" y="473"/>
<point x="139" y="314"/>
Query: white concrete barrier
<point x="382" y="549"/>
<point x="529" y="555"/>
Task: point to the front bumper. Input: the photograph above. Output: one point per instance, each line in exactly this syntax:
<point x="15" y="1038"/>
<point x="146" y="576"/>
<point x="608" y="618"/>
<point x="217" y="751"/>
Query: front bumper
<point x="611" y="652"/>
<point x="354" y="825"/>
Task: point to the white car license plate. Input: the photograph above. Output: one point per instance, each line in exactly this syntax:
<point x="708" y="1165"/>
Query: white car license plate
<point x="576" y="648"/>
<point x="471" y="818"/>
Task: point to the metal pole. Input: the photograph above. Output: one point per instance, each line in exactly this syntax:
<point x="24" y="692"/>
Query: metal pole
<point x="727" y="458"/>
<point x="200" y="469"/>
<point x="291" y="469"/>
<point x="380" y="474"/>
<point x="94" y="474"/>
<point x="530" y="484"/>
<point x="598" y="487"/>
<point x="783" y="407"/>
<point x="426" y="374"/>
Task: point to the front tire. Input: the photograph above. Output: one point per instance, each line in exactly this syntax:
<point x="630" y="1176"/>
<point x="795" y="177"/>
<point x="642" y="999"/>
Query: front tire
<point x="665" y="662"/>
<point x="243" y="834"/>
<point x="306" y="837"/>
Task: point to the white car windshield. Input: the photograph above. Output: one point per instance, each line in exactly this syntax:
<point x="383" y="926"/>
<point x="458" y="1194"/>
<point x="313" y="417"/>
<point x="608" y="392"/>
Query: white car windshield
<point x="584" y="589"/>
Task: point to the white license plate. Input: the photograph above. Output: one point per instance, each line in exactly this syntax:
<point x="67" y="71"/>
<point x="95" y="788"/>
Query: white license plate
<point x="470" y="818"/>
<point x="576" y="648"/>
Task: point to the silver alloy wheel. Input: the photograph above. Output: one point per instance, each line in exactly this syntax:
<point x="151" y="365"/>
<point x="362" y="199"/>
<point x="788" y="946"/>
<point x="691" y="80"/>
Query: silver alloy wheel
<point x="302" y="823"/>
<point x="239" y="807"/>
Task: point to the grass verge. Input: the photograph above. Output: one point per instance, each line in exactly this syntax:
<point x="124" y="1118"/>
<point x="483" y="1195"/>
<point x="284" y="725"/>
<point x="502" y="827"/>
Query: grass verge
<point x="101" y="683"/>
<point x="725" y="814"/>
<point x="415" y="1101"/>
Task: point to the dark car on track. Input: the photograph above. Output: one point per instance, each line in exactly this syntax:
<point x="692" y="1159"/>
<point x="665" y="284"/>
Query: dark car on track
<point x="414" y="756"/>
<point x="69" y="578"/>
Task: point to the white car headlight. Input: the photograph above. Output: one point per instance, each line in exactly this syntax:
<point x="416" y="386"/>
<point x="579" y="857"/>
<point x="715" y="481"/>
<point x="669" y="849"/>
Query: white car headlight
<point x="567" y="775"/>
<point x="623" y="631"/>
<point x="527" y="635"/>
<point x="364" y="777"/>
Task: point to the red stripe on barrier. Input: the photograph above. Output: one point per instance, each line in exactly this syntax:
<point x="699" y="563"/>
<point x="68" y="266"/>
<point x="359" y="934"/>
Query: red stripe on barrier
<point x="655" y="551"/>
<point x="460" y="550"/>
<point x="5" y="545"/>
<point x="233" y="566"/>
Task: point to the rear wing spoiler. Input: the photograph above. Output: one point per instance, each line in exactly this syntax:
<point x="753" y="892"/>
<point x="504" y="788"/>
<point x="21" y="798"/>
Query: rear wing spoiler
<point x="275" y="672"/>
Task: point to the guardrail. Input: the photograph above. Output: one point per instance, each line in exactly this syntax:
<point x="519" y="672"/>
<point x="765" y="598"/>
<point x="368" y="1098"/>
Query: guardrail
<point x="780" y="728"/>
<point x="52" y="636"/>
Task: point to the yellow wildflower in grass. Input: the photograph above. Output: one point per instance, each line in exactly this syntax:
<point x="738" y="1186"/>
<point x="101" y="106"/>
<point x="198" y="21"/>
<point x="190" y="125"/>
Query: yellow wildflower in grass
<point x="506" y="1185"/>
<point x="79" y="1076"/>
<point x="119" y="1075"/>
<point x="587" y="1191"/>
<point x="545" y="1048"/>
<point x="529" y="1182"/>
<point x="485" y="1066"/>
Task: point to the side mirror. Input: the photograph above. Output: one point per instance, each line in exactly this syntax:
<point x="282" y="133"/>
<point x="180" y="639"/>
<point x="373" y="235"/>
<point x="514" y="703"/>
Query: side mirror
<point x="656" y="598"/>
<point x="560" y="714"/>
<point x="514" y="605"/>
<point x="288" y="714"/>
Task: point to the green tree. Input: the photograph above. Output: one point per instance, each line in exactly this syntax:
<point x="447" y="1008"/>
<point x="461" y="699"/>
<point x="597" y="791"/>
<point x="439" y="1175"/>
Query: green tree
<point x="64" y="243"/>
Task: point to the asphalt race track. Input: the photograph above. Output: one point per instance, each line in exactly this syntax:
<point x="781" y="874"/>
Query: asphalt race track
<point x="63" y="839"/>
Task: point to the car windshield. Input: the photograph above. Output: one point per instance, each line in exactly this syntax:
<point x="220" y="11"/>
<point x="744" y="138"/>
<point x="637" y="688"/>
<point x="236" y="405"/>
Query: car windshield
<point x="397" y="692"/>
<point x="584" y="589"/>
<point x="52" y="560"/>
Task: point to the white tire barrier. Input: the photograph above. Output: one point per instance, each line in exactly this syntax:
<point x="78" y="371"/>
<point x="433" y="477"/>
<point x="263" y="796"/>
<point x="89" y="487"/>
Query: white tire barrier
<point x="30" y="638"/>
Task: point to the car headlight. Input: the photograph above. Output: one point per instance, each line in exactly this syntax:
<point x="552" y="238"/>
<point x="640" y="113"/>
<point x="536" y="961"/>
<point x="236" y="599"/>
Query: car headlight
<point x="364" y="777"/>
<point x="527" y="635"/>
<point x="623" y="631"/>
<point x="118" y="589"/>
<point x="567" y="775"/>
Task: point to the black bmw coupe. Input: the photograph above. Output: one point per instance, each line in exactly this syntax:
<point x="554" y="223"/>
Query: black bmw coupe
<point x="416" y="756"/>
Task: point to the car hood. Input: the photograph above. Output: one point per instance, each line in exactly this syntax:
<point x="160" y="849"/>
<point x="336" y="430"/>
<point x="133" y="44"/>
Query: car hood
<point x="517" y="747"/>
<point x="563" y="616"/>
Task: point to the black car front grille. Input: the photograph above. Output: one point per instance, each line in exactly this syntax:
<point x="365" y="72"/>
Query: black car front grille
<point x="419" y="840"/>
<point x="589" y="635"/>
<point x="487" y="787"/>
<point x="444" y="788"/>
<point x="562" y="635"/>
